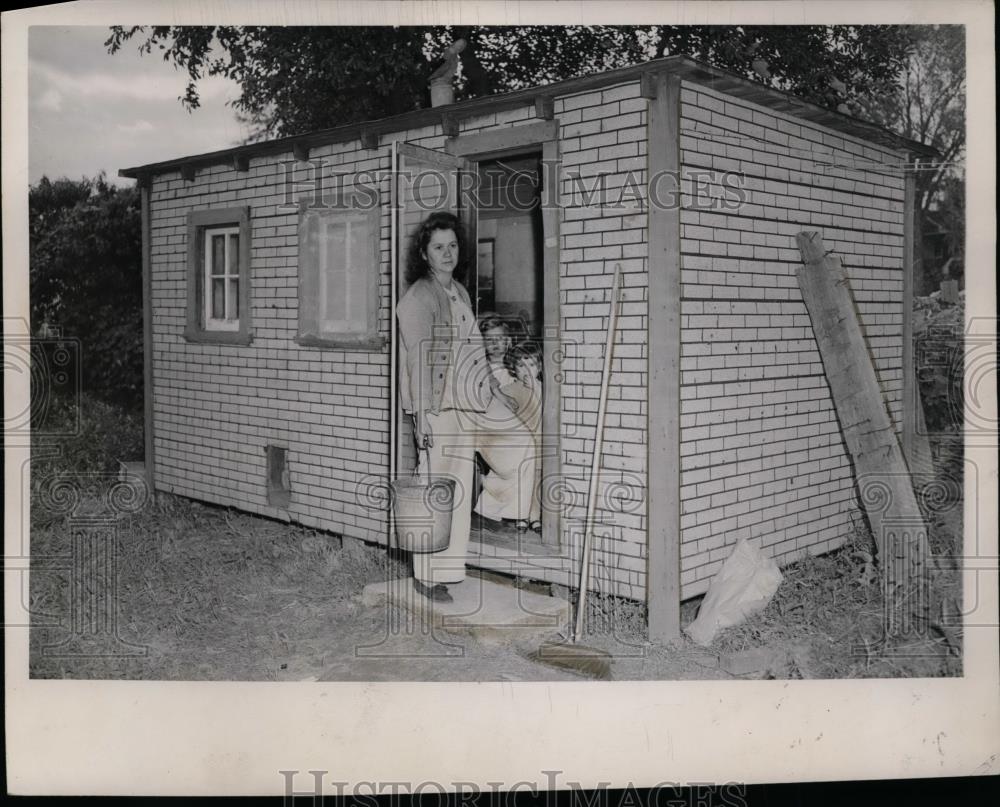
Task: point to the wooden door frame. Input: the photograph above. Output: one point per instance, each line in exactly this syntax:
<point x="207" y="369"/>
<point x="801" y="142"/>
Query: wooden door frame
<point x="537" y="137"/>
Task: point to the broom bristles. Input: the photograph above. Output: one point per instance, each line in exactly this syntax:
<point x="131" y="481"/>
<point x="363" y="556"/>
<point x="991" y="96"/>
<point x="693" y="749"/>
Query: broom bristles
<point x="578" y="658"/>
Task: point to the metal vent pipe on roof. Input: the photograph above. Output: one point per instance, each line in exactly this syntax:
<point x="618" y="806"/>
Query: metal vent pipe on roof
<point x="442" y="89"/>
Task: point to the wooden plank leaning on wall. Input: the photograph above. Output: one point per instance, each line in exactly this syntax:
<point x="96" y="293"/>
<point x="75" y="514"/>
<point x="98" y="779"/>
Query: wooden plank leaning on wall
<point x="880" y="470"/>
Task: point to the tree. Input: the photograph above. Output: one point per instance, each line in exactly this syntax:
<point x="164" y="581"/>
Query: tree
<point x="825" y="64"/>
<point x="928" y="105"/>
<point x="294" y="80"/>
<point x="85" y="276"/>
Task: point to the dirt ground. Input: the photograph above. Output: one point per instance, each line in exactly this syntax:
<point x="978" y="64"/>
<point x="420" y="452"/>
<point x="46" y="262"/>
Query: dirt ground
<point x="210" y="594"/>
<point x="197" y="592"/>
<point x="204" y="593"/>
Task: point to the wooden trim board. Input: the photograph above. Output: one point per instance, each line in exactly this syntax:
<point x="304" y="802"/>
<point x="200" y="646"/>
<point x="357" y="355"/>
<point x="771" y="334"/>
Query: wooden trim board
<point x="663" y="574"/>
<point x="498" y="142"/>
<point x="147" y="341"/>
<point x="551" y="417"/>
<point x="910" y="400"/>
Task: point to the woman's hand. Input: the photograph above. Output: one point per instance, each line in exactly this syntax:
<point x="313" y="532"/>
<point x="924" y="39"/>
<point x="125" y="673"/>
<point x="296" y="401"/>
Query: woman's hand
<point x="509" y="400"/>
<point x="422" y="430"/>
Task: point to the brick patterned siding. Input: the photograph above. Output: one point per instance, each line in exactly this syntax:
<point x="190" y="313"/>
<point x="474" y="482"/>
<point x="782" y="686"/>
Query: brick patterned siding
<point x="602" y="132"/>
<point x="761" y="452"/>
<point x="217" y="407"/>
<point x="602" y="196"/>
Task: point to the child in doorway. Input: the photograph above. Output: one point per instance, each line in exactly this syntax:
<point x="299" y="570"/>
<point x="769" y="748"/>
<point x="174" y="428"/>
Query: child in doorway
<point x="497" y="341"/>
<point x="525" y="363"/>
<point x="505" y="445"/>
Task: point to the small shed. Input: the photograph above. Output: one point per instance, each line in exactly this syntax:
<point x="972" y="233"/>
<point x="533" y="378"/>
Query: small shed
<point x="271" y="272"/>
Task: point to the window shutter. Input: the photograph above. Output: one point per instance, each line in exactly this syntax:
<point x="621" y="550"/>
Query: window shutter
<point x="338" y="277"/>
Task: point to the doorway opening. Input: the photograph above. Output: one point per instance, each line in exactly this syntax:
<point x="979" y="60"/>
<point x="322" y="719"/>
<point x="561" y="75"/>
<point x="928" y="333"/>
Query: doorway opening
<point x="510" y="258"/>
<point x="514" y="273"/>
<point x="509" y="292"/>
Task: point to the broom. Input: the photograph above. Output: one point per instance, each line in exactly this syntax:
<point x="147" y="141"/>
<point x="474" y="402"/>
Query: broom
<point x="573" y="656"/>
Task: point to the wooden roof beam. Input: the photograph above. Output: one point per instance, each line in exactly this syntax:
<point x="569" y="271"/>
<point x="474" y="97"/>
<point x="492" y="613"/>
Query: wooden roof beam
<point x="545" y="107"/>
<point x="649" y="82"/>
<point x="449" y="125"/>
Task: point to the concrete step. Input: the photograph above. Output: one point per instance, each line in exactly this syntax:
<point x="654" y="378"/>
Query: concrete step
<point x="481" y="608"/>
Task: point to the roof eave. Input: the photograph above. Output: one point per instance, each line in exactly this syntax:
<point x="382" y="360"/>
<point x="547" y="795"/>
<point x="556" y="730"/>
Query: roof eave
<point x="687" y="68"/>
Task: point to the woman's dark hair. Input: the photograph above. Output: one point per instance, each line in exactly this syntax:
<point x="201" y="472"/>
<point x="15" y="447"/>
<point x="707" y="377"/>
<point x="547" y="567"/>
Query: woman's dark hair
<point x="416" y="264"/>
<point x="522" y="351"/>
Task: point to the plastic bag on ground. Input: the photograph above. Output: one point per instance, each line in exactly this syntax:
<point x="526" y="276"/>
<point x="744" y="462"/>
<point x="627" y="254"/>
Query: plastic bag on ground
<point x="744" y="585"/>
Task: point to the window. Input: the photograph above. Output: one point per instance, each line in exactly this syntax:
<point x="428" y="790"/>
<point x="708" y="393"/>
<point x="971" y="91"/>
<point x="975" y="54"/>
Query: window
<point x="338" y="278"/>
<point x="218" y="292"/>
<point x="222" y="277"/>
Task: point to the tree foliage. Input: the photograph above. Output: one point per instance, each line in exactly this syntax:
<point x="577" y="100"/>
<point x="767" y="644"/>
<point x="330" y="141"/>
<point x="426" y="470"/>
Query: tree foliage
<point x="929" y="105"/>
<point x="85" y="278"/>
<point x="293" y="80"/>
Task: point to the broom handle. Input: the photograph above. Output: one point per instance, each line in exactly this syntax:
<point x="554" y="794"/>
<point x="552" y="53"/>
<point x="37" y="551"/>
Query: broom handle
<point x="596" y="461"/>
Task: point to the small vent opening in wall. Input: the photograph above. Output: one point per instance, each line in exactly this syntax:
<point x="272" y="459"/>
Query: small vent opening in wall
<point x="279" y="492"/>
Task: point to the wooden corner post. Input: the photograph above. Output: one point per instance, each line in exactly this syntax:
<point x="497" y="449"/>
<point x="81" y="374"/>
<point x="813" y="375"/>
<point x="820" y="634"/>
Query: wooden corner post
<point x="149" y="460"/>
<point x="909" y="380"/>
<point x="663" y="520"/>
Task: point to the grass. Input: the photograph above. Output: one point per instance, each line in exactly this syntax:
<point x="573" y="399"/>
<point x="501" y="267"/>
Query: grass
<point x="212" y="593"/>
<point x="827" y="614"/>
<point x="826" y="619"/>
<point x="202" y="591"/>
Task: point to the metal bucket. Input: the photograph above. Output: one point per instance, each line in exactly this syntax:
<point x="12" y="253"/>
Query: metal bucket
<point x="422" y="510"/>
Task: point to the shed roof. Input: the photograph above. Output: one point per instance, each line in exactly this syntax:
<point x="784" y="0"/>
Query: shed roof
<point x="687" y="68"/>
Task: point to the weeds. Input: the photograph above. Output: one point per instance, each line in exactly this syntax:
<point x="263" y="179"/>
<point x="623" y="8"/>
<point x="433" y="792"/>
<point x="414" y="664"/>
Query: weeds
<point x="618" y="617"/>
<point x="202" y="591"/>
<point x="210" y="592"/>
<point x="86" y="436"/>
<point x="828" y="612"/>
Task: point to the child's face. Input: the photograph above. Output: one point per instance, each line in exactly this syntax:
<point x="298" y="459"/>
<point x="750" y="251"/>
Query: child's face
<point x="497" y="343"/>
<point x="527" y="371"/>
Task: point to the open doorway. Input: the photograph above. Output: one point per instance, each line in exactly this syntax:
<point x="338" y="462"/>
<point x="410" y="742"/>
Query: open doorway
<point x="510" y="259"/>
<point x="509" y="294"/>
<point x="513" y="273"/>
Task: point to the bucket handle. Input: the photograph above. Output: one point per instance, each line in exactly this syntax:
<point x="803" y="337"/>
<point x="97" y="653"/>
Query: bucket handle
<point x="427" y="453"/>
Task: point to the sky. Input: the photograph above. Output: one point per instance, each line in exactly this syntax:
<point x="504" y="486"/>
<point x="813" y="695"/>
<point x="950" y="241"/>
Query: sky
<point x="89" y="110"/>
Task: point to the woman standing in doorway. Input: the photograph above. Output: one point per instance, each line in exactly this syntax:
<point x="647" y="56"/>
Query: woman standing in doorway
<point x="446" y="386"/>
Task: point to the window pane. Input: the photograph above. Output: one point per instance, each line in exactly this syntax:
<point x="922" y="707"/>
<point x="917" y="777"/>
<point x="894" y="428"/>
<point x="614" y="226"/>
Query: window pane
<point x="333" y="297"/>
<point x="234" y="254"/>
<point x="233" y="306"/>
<point x="218" y="298"/>
<point x="218" y="254"/>
<point x="358" y="271"/>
